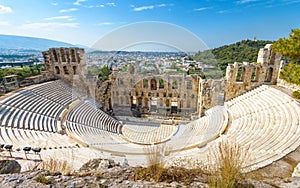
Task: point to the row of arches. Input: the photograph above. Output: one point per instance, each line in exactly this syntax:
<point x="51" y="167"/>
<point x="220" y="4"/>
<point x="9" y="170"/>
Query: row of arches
<point x="154" y="103"/>
<point x="64" y="55"/>
<point x="65" y="70"/>
<point x="154" y="84"/>
<point x="255" y="74"/>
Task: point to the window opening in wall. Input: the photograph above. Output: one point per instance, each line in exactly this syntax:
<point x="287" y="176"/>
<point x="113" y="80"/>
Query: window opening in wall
<point x="66" y="71"/>
<point x="161" y="84"/>
<point x="57" y="71"/>
<point x="240" y="74"/>
<point x="175" y="84"/>
<point x="269" y="74"/>
<point x="153" y="84"/>
<point x="145" y="83"/>
<point x="74" y="70"/>
<point x="189" y="85"/>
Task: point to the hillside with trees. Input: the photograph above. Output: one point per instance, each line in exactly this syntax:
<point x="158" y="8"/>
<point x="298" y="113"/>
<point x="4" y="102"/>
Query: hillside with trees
<point x="289" y="48"/>
<point x="245" y="50"/>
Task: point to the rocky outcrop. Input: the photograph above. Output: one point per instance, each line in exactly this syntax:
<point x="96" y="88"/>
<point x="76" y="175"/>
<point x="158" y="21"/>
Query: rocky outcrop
<point x="98" y="165"/>
<point x="9" y="167"/>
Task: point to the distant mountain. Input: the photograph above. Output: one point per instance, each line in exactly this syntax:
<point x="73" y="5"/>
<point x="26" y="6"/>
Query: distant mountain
<point x="20" y="42"/>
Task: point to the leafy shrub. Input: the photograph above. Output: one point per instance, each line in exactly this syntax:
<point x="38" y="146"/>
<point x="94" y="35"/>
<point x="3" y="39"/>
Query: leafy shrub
<point x="42" y="179"/>
<point x="296" y="94"/>
<point x="290" y="73"/>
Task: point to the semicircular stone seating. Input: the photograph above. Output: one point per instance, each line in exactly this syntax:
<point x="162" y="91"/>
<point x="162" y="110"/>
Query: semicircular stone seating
<point x="265" y="122"/>
<point x="146" y="133"/>
<point x="31" y="116"/>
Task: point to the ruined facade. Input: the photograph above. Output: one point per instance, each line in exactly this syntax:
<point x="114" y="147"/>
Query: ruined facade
<point x="175" y="96"/>
<point x="70" y="65"/>
<point x="242" y="77"/>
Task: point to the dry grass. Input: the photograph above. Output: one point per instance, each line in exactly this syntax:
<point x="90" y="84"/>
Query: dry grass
<point x="54" y="165"/>
<point x="227" y="169"/>
<point x="156" y="164"/>
<point x="157" y="170"/>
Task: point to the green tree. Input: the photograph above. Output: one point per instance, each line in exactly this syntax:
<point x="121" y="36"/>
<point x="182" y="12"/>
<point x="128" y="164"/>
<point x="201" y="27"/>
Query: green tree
<point x="289" y="47"/>
<point x="104" y="73"/>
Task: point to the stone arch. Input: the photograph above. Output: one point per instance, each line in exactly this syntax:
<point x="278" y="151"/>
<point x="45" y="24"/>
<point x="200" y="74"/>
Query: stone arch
<point x="255" y="74"/>
<point x="57" y="70"/>
<point x="145" y="83"/>
<point x="66" y="71"/>
<point x="62" y="55"/>
<point x="74" y="69"/>
<point x="240" y="75"/>
<point x="161" y="102"/>
<point x="139" y="101"/>
<point x="174" y="84"/>
<point x="167" y="103"/>
<point x="72" y="55"/>
<point x="161" y="84"/>
<point x="153" y="84"/>
<point x="54" y="55"/>
<point x="269" y="74"/>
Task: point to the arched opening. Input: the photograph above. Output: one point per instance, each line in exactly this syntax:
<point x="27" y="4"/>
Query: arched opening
<point x="153" y="84"/>
<point x="255" y="74"/>
<point x="153" y="104"/>
<point x="74" y="69"/>
<point x="167" y="103"/>
<point x="145" y="83"/>
<point x="174" y="107"/>
<point x="269" y="74"/>
<point x="62" y="55"/>
<point x="57" y="71"/>
<point x="240" y="74"/>
<point x="161" y="84"/>
<point x="133" y="102"/>
<point x="139" y="101"/>
<point x="54" y="55"/>
<point x="66" y="71"/>
<point x="72" y="54"/>
<point x="175" y="84"/>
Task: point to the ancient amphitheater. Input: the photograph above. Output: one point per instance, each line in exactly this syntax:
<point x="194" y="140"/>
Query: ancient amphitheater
<point x="68" y="125"/>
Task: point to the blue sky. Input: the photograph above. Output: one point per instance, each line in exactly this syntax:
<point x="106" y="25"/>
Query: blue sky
<point x="84" y="22"/>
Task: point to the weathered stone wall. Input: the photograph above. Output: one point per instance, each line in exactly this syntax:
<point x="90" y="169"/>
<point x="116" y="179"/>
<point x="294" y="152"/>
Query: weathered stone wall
<point x="182" y="96"/>
<point x="242" y="77"/>
<point x="289" y="86"/>
<point x="70" y="65"/>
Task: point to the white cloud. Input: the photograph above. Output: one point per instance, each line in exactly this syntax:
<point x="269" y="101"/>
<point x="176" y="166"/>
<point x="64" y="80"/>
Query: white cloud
<point x="54" y="4"/>
<point x="69" y="18"/>
<point x="143" y="8"/>
<point x="96" y="6"/>
<point x="105" y="23"/>
<point x="4" y="23"/>
<point x="5" y="9"/>
<point x="161" y="5"/>
<point x="68" y="10"/>
<point x="49" y="25"/>
<point x="78" y="2"/>
<point x="201" y="9"/>
<point x="111" y="4"/>
<point x="245" y="1"/>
